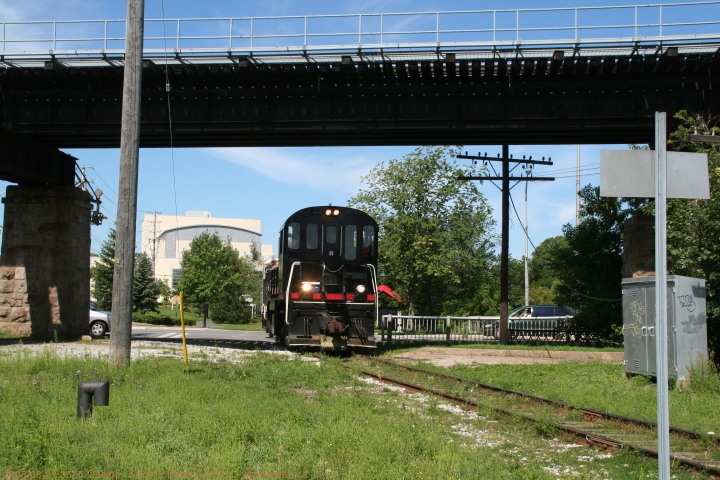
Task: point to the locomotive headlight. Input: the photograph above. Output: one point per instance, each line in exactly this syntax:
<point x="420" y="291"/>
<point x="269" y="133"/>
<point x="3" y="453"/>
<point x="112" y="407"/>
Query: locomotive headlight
<point x="328" y="212"/>
<point x="306" y="287"/>
<point x="360" y="288"/>
<point x="336" y="212"/>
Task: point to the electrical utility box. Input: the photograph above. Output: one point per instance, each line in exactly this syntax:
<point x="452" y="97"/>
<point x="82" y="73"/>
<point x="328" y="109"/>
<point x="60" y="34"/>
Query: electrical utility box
<point x="687" y="325"/>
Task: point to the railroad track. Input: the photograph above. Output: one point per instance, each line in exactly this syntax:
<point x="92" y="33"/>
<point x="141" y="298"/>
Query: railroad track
<point x="593" y="428"/>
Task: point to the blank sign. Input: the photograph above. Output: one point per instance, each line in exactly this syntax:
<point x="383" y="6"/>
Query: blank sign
<point x="631" y="173"/>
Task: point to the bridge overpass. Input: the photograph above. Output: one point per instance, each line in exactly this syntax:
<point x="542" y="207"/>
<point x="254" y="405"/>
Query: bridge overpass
<point x="368" y="79"/>
<point x="539" y="76"/>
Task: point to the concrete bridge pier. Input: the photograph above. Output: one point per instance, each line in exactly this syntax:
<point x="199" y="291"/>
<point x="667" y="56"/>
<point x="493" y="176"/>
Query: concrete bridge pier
<point x="45" y="267"/>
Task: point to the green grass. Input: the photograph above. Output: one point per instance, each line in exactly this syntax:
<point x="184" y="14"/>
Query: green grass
<point x="269" y="416"/>
<point x="601" y="386"/>
<point x="172" y="313"/>
<point x="402" y="346"/>
<point x="10" y="336"/>
<point x="247" y="327"/>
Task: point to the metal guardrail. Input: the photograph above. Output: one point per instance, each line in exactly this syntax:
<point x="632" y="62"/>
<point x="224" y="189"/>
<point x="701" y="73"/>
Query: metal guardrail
<point x="548" y="27"/>
<point x="406" y="326"/>
<point x="530" y="330"/>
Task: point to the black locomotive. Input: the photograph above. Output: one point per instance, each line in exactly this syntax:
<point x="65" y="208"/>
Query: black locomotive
<point x="321" y="290"/>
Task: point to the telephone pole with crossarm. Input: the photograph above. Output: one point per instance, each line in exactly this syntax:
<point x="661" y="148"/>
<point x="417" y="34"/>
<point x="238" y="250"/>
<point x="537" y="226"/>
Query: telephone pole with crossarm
<point x="506" y="160"/>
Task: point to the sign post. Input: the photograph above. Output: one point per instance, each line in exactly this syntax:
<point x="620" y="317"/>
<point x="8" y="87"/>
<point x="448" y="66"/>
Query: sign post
<point x="645" y="173"/>
<point x="663" y="413"/>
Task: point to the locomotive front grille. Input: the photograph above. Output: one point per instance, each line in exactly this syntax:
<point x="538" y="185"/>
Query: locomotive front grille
<point x="359" y="328"/>
<point x="307" y="332"/>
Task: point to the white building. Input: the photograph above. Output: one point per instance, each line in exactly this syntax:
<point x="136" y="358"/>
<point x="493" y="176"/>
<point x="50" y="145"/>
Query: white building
<point x="165" y="237"/>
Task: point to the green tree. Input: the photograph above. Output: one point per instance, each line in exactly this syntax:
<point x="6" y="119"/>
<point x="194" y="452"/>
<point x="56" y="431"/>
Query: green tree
<point x="434" y="229"/>
<point x="588" y="266"/>
<point x="213" y="274"/>
<point x="694" y="225"/>
<point x="544" y="284"/>
<point x="484" y="288"/>
<point x="238" y="309"/>
<point x="165" y="291"/>
<point x="102" y="273"/>
<point x="146" y="289"/>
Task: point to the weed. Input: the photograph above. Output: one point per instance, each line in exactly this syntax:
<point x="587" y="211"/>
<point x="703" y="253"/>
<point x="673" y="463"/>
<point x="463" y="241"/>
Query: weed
<point x="705" y="377"/>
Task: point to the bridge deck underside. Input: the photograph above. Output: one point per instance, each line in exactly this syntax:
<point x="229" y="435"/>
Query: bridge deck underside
<point x="246" y="102"/>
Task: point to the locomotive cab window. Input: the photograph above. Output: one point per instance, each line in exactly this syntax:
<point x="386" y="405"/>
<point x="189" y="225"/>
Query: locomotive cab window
<point x="311" y="236"/>
<point x="293" y="236"/>
<point x="350" y="242"/>
<point x="331" y="234"/>
<point x="368" y="249"/>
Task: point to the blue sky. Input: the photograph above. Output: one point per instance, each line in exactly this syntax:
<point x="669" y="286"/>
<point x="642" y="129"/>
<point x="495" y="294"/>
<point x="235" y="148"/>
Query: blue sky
<point x="271" y="183"/>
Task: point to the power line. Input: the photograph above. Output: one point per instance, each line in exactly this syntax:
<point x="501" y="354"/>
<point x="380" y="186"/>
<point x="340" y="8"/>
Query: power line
<point x="552" y="272"/>
<point x="103" y="180"/>
<point x="573" y="169"/>
<point x="170" y="130"/>
<point x="584" y="175"/>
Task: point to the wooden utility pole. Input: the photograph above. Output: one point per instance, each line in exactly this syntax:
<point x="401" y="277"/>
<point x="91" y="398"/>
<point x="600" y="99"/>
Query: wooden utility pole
<point x="127" y="197"/>
<point x="504" y="246"/>
<point x="505" y="223"/>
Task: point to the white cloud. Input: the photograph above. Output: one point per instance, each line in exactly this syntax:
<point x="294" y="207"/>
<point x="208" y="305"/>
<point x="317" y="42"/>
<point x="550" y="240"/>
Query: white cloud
<point x="308" y="169"/>
<point x="560" y="213"/>
<point x="11" y="11"/>
<point x="57" y="10"/>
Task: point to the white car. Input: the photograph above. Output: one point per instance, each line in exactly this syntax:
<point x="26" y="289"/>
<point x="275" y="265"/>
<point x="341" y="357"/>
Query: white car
<point x="99" y="322"/>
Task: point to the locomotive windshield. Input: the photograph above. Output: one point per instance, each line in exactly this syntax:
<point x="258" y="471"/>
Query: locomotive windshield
<point x="311" y="236"/>
<point x="331" y="234"/>
<point x="368" y="242"/>
<point x="350" y="242"/>
<point x="351" y="237"/>
<point x="293" y="236"/>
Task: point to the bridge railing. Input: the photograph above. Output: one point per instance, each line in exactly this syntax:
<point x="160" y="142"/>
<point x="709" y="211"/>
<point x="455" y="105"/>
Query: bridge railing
<point x="548" y="27"/>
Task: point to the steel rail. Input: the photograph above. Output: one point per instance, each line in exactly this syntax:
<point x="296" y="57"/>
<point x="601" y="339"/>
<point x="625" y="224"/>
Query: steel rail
<point x="635" y="421"/>
<point x="590" y="438"/>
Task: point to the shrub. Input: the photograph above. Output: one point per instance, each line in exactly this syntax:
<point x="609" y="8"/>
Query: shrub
<point x="158" y="319"/>
<point x="234" y="313"/>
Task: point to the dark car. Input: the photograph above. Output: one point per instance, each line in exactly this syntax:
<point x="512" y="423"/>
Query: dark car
<point x="531" y="317"/>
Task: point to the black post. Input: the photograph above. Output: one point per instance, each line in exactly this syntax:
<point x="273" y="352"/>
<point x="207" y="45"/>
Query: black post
<point x="89" y="391"/>
<point x="504" y="242"/>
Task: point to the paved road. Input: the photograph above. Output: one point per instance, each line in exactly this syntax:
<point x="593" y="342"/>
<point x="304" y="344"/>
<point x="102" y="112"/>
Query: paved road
<point x="199" y="334"/>
<point x="196" y="333"/>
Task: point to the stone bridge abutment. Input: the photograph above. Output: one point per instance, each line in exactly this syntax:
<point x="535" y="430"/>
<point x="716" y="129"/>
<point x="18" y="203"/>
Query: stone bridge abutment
<point x="44" y="267"/>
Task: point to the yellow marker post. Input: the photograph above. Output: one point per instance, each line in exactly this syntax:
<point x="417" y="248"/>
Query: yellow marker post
<point x="182" y="325"/>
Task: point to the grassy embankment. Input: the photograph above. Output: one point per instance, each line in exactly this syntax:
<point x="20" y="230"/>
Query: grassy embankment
<point x="276" y="416"/>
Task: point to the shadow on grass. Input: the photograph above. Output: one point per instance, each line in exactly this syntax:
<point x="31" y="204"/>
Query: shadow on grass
<point x="230" y="343"/>
<point x="27" y="340"/>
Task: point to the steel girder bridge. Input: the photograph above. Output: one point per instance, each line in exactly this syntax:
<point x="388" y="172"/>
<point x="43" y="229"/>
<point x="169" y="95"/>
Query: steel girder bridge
<point x="542" y="76"/>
